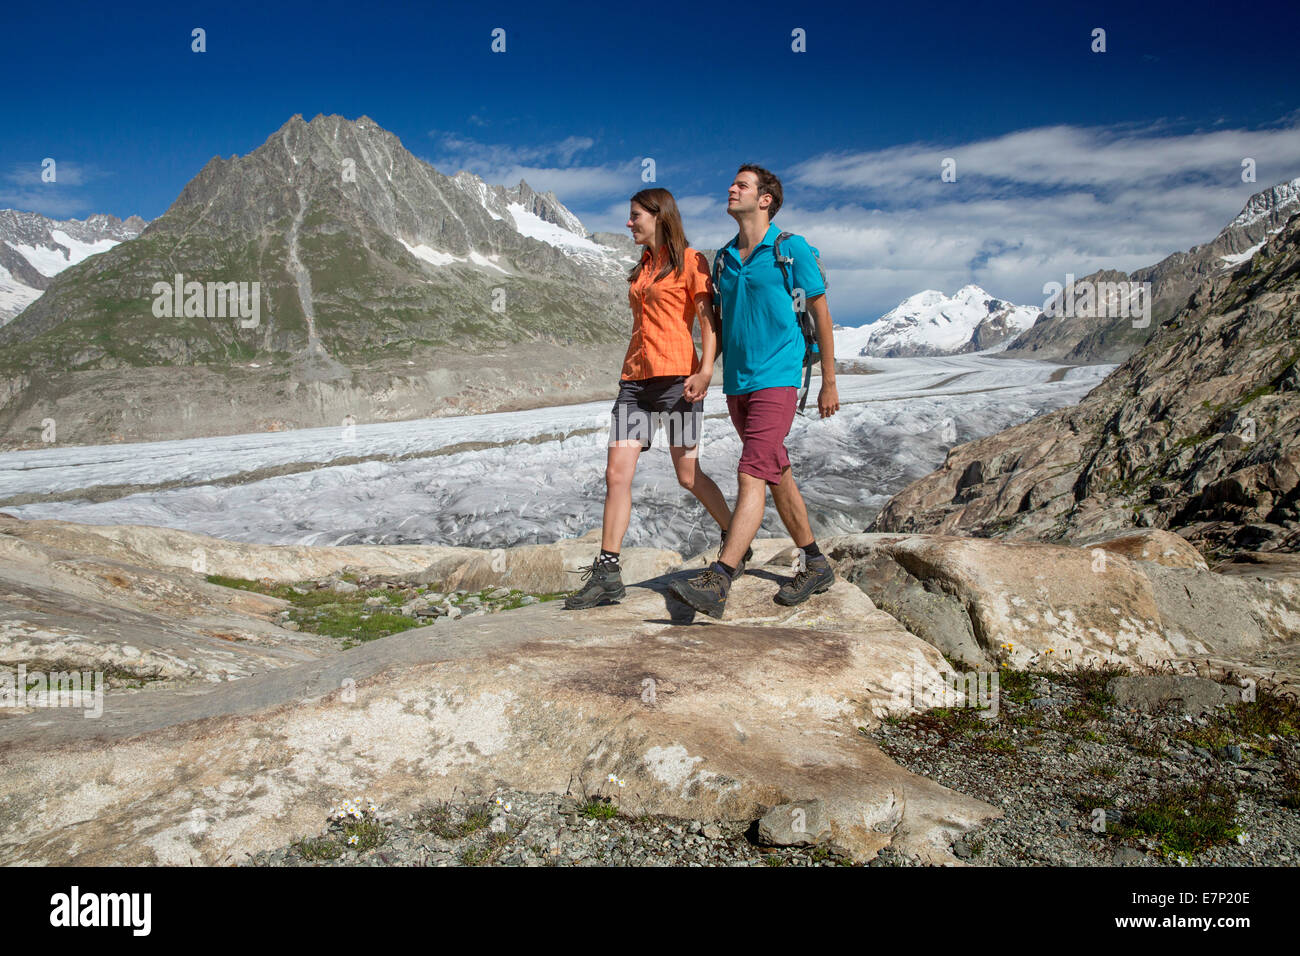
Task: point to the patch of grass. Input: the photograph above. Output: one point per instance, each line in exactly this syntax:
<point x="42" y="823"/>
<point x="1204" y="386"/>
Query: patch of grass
<point x="1016" y="686"/>
<point x="996" y="743"/>
<point x="1183" y="820"/>
<point x="1290" y="784"/>
<point x="1249" y="723"/>
<point x="1087" y="802"/>
<point x="1211" y="737"/>
<point x="319" y="848"/>
<point x="1141" y="743"/>
<point x="476" y="818"/>
<point x="948" y="722"/>
<point x="1103" y="770"/>
<point x="353" y="624"/>
<point x="369" y="834"/>
<point x="1090" y="682"/>
<point x="599" y="810"/>
<point x="440" y="819"/>
<point x="475" y="855"/>
<point x="976" y="845"/>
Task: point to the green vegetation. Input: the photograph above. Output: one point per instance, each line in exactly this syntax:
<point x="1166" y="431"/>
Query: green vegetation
<point x="441" y="821"/>
<point x="1252" y="724"/>
<point x="348" y="617"/>
<point x="1182" y="820"/>
<point x="599" y="809"/>
<point x="319" y="848"/>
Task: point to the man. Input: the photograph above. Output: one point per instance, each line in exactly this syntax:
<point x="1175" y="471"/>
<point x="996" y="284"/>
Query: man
<point x="762" y="356"/>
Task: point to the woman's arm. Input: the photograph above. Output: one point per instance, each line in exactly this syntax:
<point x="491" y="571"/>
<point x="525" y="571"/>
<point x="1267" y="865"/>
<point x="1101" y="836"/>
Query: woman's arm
<point x="698" y="383"/>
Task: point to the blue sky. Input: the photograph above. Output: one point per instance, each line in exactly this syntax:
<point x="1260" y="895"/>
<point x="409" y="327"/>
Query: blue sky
<point x="1067" y="160"/>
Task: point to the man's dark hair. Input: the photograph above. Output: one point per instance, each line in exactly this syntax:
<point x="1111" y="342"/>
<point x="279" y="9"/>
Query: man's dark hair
<point x="767" y="183"/>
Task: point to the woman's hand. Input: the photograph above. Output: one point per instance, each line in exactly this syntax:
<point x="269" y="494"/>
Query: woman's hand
<point x="696" y="386"/>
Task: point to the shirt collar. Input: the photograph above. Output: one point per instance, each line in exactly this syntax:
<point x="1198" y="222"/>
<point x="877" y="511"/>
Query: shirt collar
<point x="769" y="238"/>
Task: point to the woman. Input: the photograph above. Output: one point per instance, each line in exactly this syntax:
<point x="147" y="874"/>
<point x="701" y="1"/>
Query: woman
<point x="663" y="380"/>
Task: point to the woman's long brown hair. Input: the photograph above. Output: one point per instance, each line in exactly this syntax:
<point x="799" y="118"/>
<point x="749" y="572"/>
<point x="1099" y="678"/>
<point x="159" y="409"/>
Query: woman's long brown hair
<point x="669" y="233"/>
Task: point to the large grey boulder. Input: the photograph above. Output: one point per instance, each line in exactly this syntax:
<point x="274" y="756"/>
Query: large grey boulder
<point x="983" y="601"/>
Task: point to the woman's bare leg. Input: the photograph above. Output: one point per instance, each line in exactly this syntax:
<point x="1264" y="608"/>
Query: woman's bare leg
<point x="620" y="466"/>
<point x="691" y="476"/>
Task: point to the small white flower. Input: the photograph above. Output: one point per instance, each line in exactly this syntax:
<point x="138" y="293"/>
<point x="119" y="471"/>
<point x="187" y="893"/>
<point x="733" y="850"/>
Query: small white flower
<point x="612" y="778"/>
<point x="622" y="782"/>
<point x="352" y="840"/>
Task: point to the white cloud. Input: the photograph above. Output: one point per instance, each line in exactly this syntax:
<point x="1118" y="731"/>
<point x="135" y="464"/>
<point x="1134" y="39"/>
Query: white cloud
<point x="1027" y="207"/>
<point x="546" y="166"/>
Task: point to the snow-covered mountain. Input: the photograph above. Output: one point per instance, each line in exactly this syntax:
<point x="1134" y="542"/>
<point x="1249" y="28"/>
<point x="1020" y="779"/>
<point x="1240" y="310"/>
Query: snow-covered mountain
<point x="932" y="323"/>
<point x="34" y="249"/>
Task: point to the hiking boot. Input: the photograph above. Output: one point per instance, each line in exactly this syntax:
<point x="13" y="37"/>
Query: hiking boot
<point x="816" y="577"/>
<point x="604" y="582"/>
<point x="706" y="592"/>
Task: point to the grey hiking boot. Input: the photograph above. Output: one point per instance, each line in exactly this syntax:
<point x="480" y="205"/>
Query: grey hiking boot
<point x="604" y="582"/>
<point x="816" y="577"/>
<point x="706" y="592"/>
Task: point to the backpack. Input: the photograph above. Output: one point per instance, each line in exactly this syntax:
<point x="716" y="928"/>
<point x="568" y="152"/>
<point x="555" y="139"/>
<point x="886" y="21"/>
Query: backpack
<point x="807" y="328"/>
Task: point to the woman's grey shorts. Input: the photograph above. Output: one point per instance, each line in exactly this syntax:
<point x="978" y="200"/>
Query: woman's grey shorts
<point x="645" y="405"/>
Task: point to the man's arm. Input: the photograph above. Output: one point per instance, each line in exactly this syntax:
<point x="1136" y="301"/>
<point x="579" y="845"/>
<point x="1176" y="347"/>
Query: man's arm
<point x="828" y="399"/>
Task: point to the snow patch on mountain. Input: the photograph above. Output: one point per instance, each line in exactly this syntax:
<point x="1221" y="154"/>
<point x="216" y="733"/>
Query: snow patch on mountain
<point x="1264" y="202"/>
<point x="436" y="258"/>
<point x="535" y="227"/>
<point x="14" y="296"/>
<point x="932" y="323"/>
<point x="1240" y="257"/>
<point x="34" y="248"/>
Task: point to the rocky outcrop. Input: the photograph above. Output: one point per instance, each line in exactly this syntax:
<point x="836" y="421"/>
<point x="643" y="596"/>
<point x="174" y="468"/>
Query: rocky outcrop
<point x="545" y="567"/>
<point x="987" y="602"/>
<point x="752" y="717"/>
<point x="700" y="719"/>
<point x="1199" y="433"/>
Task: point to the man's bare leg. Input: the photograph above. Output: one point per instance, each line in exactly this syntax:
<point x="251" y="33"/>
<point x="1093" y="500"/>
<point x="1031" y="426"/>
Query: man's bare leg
<point x="790" y="506"/>
<point x="745" y="519"/>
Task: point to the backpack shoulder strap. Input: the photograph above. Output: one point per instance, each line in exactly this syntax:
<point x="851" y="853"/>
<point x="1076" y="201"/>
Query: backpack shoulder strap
<point x="783" y="261"/>
<point x="717" y="275"/>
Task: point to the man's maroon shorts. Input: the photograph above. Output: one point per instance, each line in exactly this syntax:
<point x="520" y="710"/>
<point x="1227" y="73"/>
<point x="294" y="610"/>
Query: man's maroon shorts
<point x="763" y="419"/>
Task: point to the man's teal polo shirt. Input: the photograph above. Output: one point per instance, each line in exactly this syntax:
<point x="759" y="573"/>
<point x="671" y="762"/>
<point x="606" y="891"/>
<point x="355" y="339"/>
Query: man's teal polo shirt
<point x="762" y="346"/>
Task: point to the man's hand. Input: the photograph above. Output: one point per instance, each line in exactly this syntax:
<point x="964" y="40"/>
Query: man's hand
<point x="696" y="386"/>
<point x="828" y="399"/>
